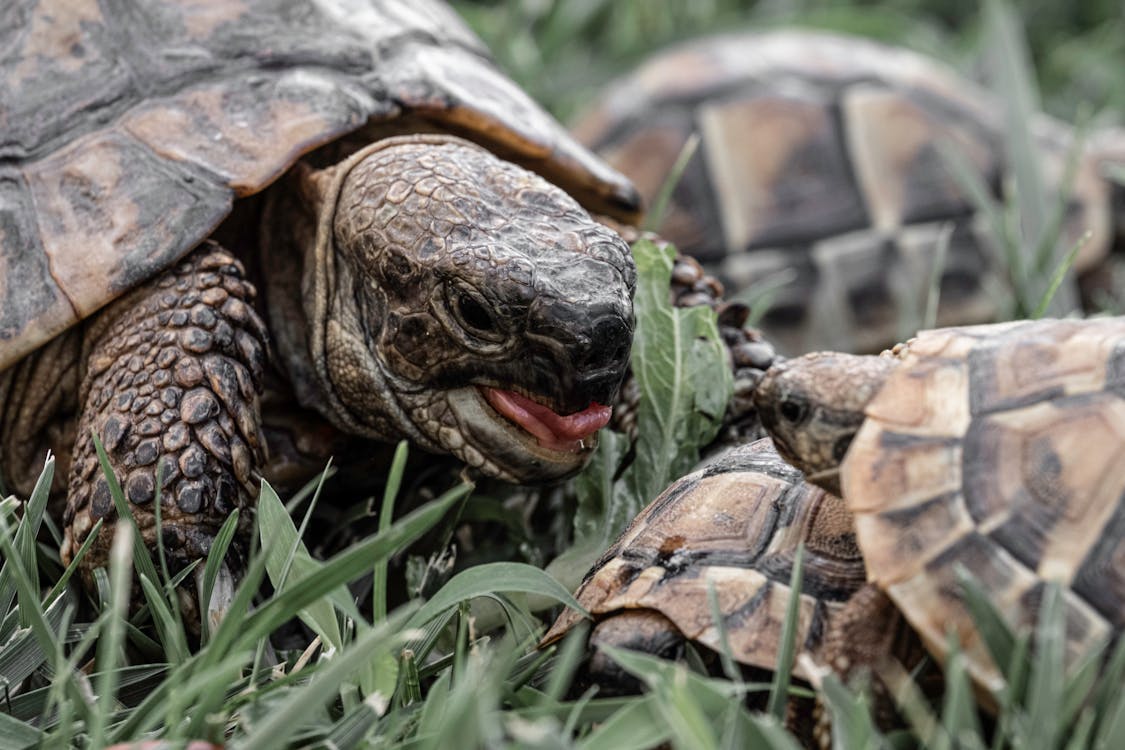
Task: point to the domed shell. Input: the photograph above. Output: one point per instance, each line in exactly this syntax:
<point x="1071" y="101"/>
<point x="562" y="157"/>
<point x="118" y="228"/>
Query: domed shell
<point x="998" y="448"/>
<point x="127" y="136"/>
<point x="734" y="525"/>
<point x="820" y="158"/>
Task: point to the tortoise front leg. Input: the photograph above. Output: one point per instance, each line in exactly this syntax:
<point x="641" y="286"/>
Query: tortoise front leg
<point x="171" y="383"/>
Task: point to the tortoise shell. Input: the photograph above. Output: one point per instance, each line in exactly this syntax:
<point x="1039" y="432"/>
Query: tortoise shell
<point x="820" y="158"/>
<point x="735" y="526"/>
<point x="127" y="136"/>
<point x="998" y="448"/>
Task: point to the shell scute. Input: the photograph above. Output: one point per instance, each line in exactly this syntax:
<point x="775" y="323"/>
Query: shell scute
<point x="1032" y="488"/>
<point x="732" y="528"/>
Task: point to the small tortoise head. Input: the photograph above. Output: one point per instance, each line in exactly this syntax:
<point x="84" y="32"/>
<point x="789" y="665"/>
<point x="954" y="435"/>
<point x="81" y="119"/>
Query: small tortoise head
<point x="813" y="406"/>
<point x="476" y="309"/>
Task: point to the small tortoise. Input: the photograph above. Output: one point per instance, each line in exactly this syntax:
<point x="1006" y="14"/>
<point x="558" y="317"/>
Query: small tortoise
<point x="735" y="526"/>
<point x="426" y="273"/>
<point x="997" y="448"/>
<point x="820" y="158"/>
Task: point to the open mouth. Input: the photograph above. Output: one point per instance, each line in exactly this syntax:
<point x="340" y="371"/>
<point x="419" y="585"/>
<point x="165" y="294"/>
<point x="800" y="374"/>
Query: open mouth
<point x="568" y="433"/>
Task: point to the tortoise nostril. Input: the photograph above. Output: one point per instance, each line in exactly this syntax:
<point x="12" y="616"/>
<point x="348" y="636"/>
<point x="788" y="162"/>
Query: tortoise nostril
<point x="607" y="346"/>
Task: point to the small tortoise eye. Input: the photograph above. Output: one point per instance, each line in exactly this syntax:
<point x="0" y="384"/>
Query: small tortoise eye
<point x="473" y="314"/>
<point x="792" y="410"/>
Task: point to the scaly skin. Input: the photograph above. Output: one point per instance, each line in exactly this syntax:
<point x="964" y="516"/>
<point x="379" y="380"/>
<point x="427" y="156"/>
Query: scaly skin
<point x="171" y="385"/>
<point x="813" y="405"/>
<point x="429" y="270"/>
<point x="401" y="283"/>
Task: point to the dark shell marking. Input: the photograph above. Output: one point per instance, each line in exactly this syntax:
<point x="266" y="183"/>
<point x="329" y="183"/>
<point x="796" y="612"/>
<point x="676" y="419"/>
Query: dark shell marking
<point x="998" y="448"/>
<point x="127" y="134"/>
<point x="820" y="156"/>
<point x="734" y="525"/>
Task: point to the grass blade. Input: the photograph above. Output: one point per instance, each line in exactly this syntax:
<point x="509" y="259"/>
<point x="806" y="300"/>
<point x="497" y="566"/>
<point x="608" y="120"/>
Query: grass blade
<point x="779" y="691"/>
<point x="660" y="204"/>
<point x="109" y="645"/>
<point x="386" y="513"/>
<point x="1059" y="275"/>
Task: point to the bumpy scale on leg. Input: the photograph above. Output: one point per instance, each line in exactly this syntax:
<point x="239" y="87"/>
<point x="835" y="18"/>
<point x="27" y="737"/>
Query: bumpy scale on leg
<point x="171" y="383"/>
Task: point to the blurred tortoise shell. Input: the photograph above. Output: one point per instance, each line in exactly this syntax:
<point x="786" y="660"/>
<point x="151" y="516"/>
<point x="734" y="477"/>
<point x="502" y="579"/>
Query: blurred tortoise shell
<point x="821" y="157"/>
<point x="734" y="525"/>
<point x="127" y="137"/>
<point x="994" y="449"/>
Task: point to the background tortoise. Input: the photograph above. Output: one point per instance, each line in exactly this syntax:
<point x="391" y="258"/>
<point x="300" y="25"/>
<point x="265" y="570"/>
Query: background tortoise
<point x="819" y="154"/>
<point x="736" y="525"/>
<point x="993" y="447"/>
<point x="416" y="284"/>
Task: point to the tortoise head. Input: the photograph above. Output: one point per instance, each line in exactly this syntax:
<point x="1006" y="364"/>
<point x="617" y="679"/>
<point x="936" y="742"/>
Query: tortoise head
<point x="813" y="406"/>
<point x="472" y="307"/>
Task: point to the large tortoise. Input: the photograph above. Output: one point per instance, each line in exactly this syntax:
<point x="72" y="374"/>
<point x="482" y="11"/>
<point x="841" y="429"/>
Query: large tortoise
<point x="996" y="448"/>
<point x="819" y="157"/>
<point x="733" y="526"/>
<point x="426" y="272"/>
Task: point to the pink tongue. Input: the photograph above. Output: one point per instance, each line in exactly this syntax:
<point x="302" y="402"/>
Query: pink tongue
<point x="553" y="430"/>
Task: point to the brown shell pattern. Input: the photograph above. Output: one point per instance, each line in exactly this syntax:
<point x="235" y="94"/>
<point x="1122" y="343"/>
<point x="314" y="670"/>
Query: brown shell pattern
<point x="998" y="448"/>
<point x="820" y="158"/>
<point x="125" y="136"/>
<point x="734" y="526"/>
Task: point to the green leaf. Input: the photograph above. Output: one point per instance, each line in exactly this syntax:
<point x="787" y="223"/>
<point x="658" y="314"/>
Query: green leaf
<point x="679" y="362"/>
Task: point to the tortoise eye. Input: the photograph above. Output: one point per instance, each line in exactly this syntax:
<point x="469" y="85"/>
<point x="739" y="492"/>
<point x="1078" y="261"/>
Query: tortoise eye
<point x="474" y="315"/>
<point x="792" y="410"/>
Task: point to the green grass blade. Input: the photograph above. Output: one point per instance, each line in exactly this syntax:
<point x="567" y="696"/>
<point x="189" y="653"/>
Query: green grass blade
<point x="779" y="691"/>
<point x="726" y="657"/>
<point x="634" y="727"/>
<point x="27" y="533"/>
<point x="490" y="578"/>
<point x="109" y="645"/>
<point x="346" y="566"/>
<point x="216" y="558"/>
<point x="959" y="712"/>
<point x="660" y="204"/>
<point x="937" y="269"/>
<point x="288" y="561"/>
<point x="990" y="624"/>
<point x="568" y="657"/>
<point x="852" y="726"/>
<point x="1045" y="697"/>
<point x="16" y="735"/>
<point x="27" y="596"/>
<point x="1057" y="278"/>
<point x="386" y="513"/>
<point x="169" y="626"/>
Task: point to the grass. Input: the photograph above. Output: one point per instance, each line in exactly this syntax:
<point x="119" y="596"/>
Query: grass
<point x="298" y="661"/>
